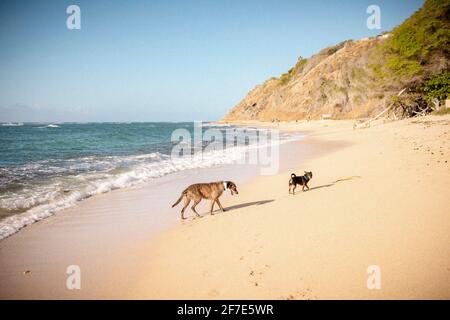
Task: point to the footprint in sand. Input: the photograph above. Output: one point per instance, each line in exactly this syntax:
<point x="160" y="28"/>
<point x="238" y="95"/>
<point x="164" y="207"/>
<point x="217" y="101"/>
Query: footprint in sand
<point x="301" y="295"/>
<point x="256" y="275"/>
<point x="256" y="249"/>
<point x="213" y="293"/>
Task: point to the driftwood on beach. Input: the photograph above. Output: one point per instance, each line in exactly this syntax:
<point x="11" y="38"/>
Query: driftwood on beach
<point x="366" y="123"/>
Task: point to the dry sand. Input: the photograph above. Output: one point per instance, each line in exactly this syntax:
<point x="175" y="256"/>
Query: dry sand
<point x="380" y="199"/>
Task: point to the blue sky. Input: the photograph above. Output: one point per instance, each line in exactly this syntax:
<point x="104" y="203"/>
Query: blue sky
<point x="162" y="60"/>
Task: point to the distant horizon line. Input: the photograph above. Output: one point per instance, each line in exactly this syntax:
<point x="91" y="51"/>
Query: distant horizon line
<point x="80" y="122"/>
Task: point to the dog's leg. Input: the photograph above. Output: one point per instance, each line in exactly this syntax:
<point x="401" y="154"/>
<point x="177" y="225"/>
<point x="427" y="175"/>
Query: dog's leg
<point x="303" y="188"/>
<point x="220" y="205"/>
<point x="293" y="190"/>
<point x="307" y="186"/>
<point x="196" y="202"/>
<point x="212" y="206"/>
<point x="186" y="203"/>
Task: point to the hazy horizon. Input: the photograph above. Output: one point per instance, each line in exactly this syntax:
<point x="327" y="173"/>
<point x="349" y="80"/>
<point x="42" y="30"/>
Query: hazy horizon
<point x="99" y="121"/>
<point x="162" y="61"/>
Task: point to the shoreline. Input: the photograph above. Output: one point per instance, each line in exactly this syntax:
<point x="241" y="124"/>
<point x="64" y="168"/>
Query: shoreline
<point x="269" y="245"/>
<point x="14" y="220"/>
<point x="109" y="225"/>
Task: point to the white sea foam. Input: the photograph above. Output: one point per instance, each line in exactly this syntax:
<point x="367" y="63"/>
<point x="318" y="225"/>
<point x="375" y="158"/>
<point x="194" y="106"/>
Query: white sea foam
<point x="48" y="126"/>
<point x="12" y="124"/>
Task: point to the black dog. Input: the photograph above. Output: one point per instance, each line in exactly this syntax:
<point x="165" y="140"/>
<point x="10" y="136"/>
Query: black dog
<point x="303" y="181"/>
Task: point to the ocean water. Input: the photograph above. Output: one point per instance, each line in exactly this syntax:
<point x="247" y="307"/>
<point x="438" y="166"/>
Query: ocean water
<point x="45" y="168"/>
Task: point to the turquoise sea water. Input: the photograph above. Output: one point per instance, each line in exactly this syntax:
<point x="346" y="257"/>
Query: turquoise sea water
<point x="48" y="167"/>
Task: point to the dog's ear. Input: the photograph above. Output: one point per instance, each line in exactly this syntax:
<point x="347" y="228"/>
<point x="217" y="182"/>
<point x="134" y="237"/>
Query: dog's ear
<point x="230" y="187"/>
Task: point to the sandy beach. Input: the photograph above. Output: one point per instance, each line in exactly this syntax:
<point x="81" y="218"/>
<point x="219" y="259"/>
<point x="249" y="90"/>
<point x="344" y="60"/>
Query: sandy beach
<point x="378" y="197"/>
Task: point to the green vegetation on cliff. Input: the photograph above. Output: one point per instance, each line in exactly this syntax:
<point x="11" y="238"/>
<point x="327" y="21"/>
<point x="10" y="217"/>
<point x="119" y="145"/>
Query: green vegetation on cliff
<point x="437" y="87"/>
<point x="416" y="46"/>
<point x="286" y="77"/>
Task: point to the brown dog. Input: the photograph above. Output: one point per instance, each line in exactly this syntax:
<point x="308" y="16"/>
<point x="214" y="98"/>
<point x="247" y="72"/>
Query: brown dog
<point x="199" y="191"/>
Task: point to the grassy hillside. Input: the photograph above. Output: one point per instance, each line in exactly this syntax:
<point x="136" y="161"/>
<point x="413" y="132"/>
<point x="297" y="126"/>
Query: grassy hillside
<point x="419" y="46"/>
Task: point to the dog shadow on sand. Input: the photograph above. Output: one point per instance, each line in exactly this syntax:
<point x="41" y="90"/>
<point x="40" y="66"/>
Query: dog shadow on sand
<point x="235" y="207"/>
<point x="248" y="204"/>
<point x="332" y="183"/>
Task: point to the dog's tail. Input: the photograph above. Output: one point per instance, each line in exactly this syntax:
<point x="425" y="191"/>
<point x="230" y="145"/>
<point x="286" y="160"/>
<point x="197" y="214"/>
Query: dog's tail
<point x="291" y="180"/>
<point x="180" y="198"/>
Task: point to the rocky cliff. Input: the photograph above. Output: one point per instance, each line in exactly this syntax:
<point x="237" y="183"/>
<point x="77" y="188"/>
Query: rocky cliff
<point x="353" y="79"/>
